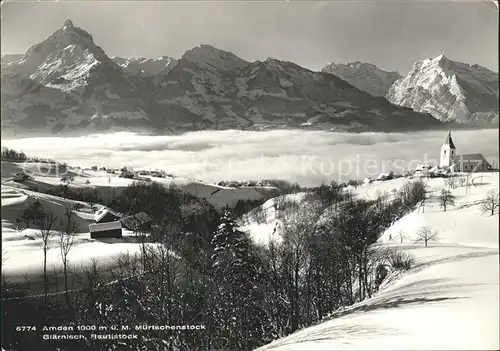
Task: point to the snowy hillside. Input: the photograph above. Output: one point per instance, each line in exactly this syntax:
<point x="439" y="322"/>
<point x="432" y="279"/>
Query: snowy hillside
<point x="45" y="176"/>
<point x="21" y="253"/>
<point x="67" y="84"/>
<point x="364" y="76"/>
<point x="448" y="300"/>
<point x="449" y="90"/>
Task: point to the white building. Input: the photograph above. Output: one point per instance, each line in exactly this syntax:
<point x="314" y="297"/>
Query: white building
<point x="461" y="163"/>
<point x="448" y="151"/>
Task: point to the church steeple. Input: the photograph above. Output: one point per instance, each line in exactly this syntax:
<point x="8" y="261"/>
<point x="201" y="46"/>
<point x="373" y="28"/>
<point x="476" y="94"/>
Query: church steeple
<point x="448" y="152"/>
<point x="449" y="141"/>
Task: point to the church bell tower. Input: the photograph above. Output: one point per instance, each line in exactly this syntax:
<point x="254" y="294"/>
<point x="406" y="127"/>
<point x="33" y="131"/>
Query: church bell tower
<point x="448" y="152"/>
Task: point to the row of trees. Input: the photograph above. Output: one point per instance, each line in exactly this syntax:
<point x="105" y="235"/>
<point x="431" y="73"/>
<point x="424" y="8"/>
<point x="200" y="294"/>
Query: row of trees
<point x="52" y="233"/>
<point x="19" y="156"/>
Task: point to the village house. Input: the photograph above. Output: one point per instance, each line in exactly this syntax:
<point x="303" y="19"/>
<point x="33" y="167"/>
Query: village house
<point x="461" y="163"/>
<point x="137" y="222"/>
<point x="105" y="215"/>
<point x="106" y="230"/>
<point x="107" y="224"/>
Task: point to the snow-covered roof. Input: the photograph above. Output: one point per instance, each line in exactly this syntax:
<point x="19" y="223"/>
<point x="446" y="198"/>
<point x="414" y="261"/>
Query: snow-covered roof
<point x="99" y="227"/>
<point x="102" y="212"/>
<point x="422" y="167"/>
<point x="382" y="176"/>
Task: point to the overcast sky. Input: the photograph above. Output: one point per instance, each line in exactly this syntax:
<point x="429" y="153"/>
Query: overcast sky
<point x="390" y="34"/>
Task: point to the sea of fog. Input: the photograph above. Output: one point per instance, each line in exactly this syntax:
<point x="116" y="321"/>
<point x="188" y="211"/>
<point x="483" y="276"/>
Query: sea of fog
<point x="306" y="157"/>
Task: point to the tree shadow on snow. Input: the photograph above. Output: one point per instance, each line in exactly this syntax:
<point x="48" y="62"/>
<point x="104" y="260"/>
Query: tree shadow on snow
<point x="355" y="331"/>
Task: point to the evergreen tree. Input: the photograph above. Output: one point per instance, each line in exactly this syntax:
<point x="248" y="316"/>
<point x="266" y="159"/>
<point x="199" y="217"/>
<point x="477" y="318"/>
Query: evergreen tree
<point x="230" y="245"/>
<point x="238" y="312"/>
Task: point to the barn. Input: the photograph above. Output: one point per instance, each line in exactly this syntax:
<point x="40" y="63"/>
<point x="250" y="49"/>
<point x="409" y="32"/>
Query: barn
<point x="106" y="230"/>
<point x="137" y="222"/>
<point x="105" y="215"/>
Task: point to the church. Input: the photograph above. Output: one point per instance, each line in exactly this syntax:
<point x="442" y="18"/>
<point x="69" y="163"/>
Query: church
<point x="461" y="163"/>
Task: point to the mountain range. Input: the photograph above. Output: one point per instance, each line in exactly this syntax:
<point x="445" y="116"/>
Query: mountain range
<point x="364" y="76"/>
<point x="68" y="84"/>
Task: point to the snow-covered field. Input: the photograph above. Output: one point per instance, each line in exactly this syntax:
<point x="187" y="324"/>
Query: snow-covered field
<point x="448" y="300"/>
<point x="218" y="196"/>
<point x="22" y="256"/>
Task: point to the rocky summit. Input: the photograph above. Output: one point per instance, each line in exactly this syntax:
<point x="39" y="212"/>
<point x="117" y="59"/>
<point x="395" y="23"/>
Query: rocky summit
<point x="450" y="91"/>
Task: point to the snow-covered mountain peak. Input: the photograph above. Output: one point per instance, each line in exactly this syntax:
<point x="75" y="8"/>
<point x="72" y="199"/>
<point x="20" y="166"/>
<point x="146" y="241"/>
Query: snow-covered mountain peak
<point x="449" y="90"/>
<point x="68" y="46"/>
<point x="209" y="57"/>
<point x="438" y="62"/>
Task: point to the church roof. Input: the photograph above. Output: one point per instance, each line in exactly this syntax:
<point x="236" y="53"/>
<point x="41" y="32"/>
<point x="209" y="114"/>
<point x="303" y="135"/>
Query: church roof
<point x="449" y="141"/>
<point x="470" y="158"/>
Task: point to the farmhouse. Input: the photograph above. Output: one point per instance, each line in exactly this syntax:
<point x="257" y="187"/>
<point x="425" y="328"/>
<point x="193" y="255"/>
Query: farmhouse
<point x="106" y="230"/>
<point x="105" y="215"/>
<point x="20" y="177"/>
<point x="461" y="163"/>
<point x="139" y="221"/>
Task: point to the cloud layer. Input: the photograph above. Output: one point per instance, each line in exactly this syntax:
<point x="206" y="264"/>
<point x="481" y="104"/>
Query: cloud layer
<point x="307" y="157"/>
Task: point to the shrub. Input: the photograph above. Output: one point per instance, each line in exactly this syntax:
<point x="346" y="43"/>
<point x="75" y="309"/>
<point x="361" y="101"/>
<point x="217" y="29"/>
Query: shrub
<point x="413" y="192"/>
<point x="400" y="260"/>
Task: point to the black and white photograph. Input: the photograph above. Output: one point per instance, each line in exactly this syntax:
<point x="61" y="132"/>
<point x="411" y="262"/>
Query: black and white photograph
<point x="240" y="175"/>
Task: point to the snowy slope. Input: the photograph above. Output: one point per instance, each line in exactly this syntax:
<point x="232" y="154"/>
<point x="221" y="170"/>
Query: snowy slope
<point x="49" y="176"/>
<point x="21" y="253"/>
<point x="364" y="76"/>
<point x="447" y="304"/>
<point x="448" y="300"/>
<point x="449" y="90"/>
<point x="145" y="67"/>
<point x="265" y="227"/>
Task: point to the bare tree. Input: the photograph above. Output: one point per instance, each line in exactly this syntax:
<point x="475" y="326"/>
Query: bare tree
<point x="423" y="202"/>
<point x="297" y="225"/>
<point x="67" y="178"/>
<point x="462" y="181"/>
<point x="467" y="182"/>
<point x="46" y="223"/>
<point x="490" y="203"/>
<point x="426" y="234"/>
<point x="66" y="239"/>
<point x="451" y="182"/>
<point x="446" y="198"/>
<point x="401" y="236"/>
